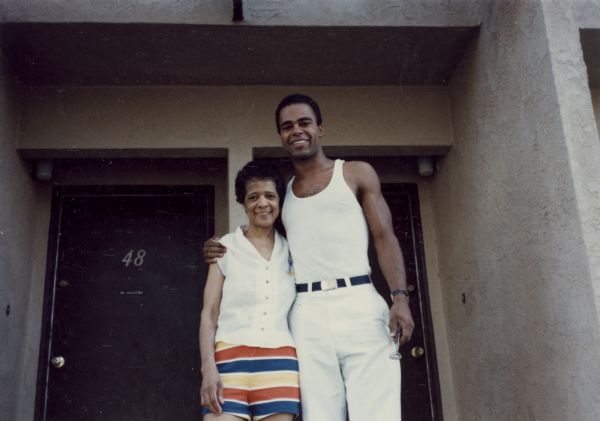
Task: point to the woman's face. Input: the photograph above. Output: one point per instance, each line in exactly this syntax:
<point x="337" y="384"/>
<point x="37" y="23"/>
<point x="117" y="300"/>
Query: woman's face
<point x="261" y="203"/>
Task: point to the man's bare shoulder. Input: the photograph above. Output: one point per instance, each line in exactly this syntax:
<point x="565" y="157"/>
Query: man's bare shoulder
<point x="359" y="172"/>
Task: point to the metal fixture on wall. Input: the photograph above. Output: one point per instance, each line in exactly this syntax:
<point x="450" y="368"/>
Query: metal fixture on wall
<point x="238" y="11"/>
<point x="425" y="166"/>
<point x="43" y="169"/>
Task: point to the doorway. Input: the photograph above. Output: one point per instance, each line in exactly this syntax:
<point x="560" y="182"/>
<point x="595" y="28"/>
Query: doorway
<point x="123" y="301"/>
<point x="420" y="382"/>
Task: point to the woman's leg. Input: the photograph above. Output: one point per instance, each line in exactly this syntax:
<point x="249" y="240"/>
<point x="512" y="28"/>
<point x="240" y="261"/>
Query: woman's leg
<point x="279" y="417"/>
<point x="222" y="417"/>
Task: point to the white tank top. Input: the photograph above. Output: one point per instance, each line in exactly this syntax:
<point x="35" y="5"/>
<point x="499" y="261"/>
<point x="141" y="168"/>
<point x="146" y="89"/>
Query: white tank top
<point x="327" y="233"/>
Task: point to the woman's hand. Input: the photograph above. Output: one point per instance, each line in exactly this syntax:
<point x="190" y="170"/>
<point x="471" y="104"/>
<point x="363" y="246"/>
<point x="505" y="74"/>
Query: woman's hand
<point x="211" y="392"/>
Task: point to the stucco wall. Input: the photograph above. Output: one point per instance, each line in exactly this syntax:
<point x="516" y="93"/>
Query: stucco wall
<point x="580" y="128"/>
<point x="586" y="13"/>
<point x="518" y="277"/>
<point x="263" y="12"/>
<point x="17" y="229"/>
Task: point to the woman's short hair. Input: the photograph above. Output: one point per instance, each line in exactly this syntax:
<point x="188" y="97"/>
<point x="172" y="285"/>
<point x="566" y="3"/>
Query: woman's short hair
<point x="258" y="170"/>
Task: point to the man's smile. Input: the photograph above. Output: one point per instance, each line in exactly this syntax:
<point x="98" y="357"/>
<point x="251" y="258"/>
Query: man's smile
<point x="298" y="142"/>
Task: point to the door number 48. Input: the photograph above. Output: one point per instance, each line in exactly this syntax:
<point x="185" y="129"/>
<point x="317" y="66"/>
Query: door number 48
<point x="137" y="260"/>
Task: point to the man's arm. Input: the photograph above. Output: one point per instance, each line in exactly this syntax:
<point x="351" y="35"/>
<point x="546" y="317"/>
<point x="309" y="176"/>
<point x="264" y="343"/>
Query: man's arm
<point x="365" y="181"/>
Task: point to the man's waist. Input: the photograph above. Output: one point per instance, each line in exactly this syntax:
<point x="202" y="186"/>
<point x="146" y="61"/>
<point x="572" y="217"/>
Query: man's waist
<point x="332" y="283"/>
<point x="318" y="267"/>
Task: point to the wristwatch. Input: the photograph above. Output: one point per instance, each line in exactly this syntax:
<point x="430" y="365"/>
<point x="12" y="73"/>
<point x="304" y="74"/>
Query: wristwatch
<point x="399" y="291"/>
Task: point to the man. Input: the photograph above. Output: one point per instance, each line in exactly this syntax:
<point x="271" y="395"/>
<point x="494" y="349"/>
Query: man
<point x="339" y="322"/>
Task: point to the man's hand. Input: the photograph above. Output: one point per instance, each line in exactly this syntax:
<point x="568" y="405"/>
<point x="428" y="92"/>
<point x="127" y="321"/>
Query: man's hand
<point x="213" y="250"/>
<point x="401" y="319"/>
<point x="211" y="392"/>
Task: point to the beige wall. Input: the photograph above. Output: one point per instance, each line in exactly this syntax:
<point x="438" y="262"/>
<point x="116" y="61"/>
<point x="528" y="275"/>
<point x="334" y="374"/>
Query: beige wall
<point x="513" y="224"/>
<point x="215" y="117"/>
<point x="224" y="121"/>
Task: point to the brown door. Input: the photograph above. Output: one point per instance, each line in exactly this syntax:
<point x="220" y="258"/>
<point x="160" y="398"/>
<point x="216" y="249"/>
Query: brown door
<point x="123" y="302"/>
<point x="420" y="385"/>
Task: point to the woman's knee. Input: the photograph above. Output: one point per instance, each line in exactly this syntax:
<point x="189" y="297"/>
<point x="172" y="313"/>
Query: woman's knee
<point x="279" y="417"/>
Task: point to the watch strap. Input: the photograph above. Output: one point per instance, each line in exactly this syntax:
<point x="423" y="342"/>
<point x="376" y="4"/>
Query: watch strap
<point x="399" y="291"/>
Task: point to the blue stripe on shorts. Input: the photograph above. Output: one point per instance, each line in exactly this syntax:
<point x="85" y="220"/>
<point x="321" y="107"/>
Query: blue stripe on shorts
<point x="230" y="407"/>
<point x="258" y="366"/>
<point x="278" y="407"/>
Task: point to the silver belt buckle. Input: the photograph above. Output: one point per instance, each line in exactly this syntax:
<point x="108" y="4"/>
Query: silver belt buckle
<point x="327" y="284"/>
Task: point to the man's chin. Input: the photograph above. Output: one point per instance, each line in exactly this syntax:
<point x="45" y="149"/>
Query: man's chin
<point x="302" y="156"/>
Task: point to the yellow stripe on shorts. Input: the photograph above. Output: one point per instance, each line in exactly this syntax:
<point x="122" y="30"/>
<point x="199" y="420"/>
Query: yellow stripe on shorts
<point x="260" y="380"/>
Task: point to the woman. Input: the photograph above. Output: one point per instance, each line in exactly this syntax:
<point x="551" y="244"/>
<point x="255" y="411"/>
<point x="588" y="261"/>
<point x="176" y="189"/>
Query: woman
<point x="249" y="365"/>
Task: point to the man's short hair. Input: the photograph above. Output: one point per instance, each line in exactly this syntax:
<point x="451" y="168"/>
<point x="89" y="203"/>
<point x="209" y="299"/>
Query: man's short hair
<point x="258" y="169"/>
<point x="298" y="99"/>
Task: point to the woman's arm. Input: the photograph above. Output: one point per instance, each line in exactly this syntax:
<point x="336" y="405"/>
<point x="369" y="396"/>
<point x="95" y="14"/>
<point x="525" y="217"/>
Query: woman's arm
<point x="211" y="393"/>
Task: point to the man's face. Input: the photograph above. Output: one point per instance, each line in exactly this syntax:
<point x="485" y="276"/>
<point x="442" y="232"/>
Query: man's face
<point x="299" y="132"/>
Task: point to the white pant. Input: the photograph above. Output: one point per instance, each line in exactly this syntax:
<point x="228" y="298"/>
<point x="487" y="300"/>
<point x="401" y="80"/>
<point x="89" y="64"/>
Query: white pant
<point x="343" y="345"/>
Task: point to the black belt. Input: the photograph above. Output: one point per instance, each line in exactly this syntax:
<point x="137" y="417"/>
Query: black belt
<point x="327" y="284"/>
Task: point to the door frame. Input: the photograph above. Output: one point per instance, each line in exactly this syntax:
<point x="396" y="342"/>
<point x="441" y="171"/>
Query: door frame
<point x="411" y="189"/>
<point x="58" y="193"/>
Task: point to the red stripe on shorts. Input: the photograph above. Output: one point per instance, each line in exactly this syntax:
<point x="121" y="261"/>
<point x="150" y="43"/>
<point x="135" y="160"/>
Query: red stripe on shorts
<point x="233" y="353"/>
<point x="235" y="394"/>
<point x="275" y="393"/>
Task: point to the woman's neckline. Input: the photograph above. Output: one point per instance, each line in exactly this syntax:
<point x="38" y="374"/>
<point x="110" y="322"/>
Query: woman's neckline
<point x="244" y="230"/>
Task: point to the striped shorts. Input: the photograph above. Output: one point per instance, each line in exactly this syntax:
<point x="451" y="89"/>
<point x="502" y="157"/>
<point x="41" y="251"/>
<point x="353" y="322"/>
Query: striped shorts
<point x="258" y="382"/>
